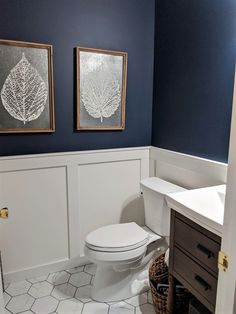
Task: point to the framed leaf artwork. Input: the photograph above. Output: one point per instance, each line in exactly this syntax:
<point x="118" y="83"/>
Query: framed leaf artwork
<point x="26" y="87"/>
<point x="101" y="89"/>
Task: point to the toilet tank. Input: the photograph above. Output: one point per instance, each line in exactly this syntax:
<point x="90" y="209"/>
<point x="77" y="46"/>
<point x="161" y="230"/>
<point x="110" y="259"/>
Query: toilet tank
<point x="157" y="213"/>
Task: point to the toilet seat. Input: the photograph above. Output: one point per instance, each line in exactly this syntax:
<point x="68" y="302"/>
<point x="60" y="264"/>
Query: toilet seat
<point x="119" y="249"/>
<point x="117" y="238"/>
<point x="122" y="255"/>
<point x="102" y="257"/>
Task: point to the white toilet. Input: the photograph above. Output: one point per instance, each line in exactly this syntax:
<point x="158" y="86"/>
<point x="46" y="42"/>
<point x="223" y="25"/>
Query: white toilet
<point x="123" y="251"/>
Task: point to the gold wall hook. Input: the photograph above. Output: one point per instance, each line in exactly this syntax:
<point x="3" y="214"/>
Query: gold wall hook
<point x="4" y="213"/>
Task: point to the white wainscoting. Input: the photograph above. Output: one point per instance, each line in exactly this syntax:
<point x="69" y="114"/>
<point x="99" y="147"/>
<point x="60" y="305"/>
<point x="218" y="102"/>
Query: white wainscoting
<point x="187" y="171"/>
<point x="54" y="200"/>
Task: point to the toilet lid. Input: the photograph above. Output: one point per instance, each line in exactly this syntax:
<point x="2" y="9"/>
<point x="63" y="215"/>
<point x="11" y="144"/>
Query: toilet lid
<point x="118" y="237"/>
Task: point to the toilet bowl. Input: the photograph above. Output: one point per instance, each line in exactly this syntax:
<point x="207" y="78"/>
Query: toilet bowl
<point x="119" y="251"/>
<point x="123" y="251"/>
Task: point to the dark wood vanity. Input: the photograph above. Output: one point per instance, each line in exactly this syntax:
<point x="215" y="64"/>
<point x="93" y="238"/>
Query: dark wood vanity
<point x="193" y="261"/>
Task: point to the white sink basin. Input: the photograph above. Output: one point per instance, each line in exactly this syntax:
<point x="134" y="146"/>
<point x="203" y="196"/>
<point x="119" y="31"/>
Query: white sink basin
<point x="205" y="206"/>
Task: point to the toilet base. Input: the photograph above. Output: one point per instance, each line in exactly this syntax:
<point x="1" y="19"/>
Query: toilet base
<point x="110" y="285"/>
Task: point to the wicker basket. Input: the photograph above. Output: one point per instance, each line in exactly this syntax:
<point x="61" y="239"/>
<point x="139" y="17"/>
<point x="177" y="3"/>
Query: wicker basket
<point x="158" y="277"/>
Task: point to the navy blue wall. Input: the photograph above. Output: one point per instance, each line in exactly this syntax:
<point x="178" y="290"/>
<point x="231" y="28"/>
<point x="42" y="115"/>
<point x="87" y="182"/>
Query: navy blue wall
<point x="106" y="24"/>
<point x="195" y="49"/>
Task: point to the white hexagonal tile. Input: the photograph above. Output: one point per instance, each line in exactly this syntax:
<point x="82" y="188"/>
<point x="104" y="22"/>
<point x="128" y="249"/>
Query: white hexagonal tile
<point x="41" y="289"/>
<point x="38" y="279"/>
<point x="138" y="299"/>
<point x="71" y="306"/>
<point x="145" y="309"/>
<point x="80" y="279"/>
<point x="18" y="288"/>
<point x="7" y="312"/>
<point x="121" y="307"/>
<point x="84" y="294"/>
<point x="95" y="308"/>
<point x="75" y="270"/>
<point x="6" y="285"/>
<point x="64" y="291"/>
<point x="45" y="305"/>
<point x="91" y="269"/>
<point x="150" y="297"/>
<point x="6" y="298"/>
<point x="113" y="302"/>
<point x="20" y="303"/>
<point x="27" y="312"/>
<point x="58" y="278"/>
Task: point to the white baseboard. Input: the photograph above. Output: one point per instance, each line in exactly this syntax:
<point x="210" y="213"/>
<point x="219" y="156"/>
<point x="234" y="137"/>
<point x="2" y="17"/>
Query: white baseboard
<point x="41" y="270"/>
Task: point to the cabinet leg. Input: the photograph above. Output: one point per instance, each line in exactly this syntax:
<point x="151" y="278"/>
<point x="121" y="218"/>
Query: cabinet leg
<point x="171" y="295"/>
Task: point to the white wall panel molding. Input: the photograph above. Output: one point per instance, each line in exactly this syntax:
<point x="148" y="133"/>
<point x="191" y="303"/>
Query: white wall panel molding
<point x="36" y="231"/>
<point x="48" y="195"/>
<point x="73" y="210"/>
<point x="56" y="199"/>
<point x="21" y="162"/>
<point x="186" y="170"/>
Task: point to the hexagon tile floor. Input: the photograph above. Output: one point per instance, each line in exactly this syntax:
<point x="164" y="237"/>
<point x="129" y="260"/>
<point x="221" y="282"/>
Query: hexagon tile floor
<point x="68" y="292"/>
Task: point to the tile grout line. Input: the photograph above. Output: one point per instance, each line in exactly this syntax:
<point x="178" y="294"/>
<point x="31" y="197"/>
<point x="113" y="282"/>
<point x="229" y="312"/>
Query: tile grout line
<point x="83" y="300"/>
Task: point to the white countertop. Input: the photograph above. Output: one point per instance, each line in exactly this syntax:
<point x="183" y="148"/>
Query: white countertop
<point x="204" y="206"/>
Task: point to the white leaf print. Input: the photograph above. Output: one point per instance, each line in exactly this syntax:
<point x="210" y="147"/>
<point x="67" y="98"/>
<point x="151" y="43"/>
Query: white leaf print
<point x="101" y="94"/>
<point x="24" y="93"/>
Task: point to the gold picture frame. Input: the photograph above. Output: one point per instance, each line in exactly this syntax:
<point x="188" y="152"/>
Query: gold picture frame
<point x="101" y="89"/>
<point x="26" y="87"/>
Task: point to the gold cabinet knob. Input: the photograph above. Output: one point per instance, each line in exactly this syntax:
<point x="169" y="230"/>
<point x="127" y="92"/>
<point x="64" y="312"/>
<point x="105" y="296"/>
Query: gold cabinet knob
<point x="4" y="213"/>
